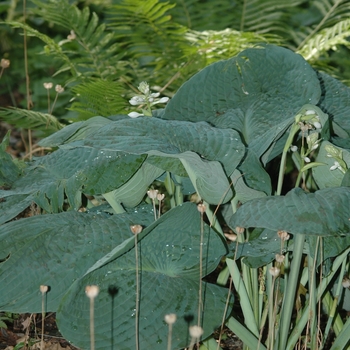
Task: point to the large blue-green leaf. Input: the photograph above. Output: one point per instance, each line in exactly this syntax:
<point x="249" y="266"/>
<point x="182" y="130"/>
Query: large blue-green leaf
<point x="55" y="250"/>
<point x="72" y="171"/>
<point x="325" y="212"/>
<point x="257" y="93"/>
<point x="132" y="192"/>
<point x="144" y="134"/>
<point x="75" y="131"/>
<point x="169" y="282"/>
<point x="209" y="155"/>
<point x="9" y="170"/>
<point x="335" y="102"/>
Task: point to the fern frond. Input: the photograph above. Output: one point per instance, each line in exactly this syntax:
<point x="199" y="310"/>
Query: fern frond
<point x="262" y="16"/>
<point x="332" y="12"/>
<point x="203" y="15"/>
<point x="51" y="48"/>
<point x="148" y="32"/>
<point x="27" y="119"/>
<point x="218" y="45"/>
<point x="95" y="53"/>
<point x="99" y="98"/>
<point x="327" y="39"/>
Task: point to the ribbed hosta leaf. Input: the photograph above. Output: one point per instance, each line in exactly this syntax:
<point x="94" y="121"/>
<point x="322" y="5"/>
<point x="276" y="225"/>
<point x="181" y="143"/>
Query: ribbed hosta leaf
<point x="72" y="171"/>
<point x="142" y="135"/>
<point x="207" y="154"/>
<point x="55" y="250"/>
<point x="169" y="281"/>
<point x="336" y="102"/>
<point x="258" y="92"/>
<point x="324" y="213"/>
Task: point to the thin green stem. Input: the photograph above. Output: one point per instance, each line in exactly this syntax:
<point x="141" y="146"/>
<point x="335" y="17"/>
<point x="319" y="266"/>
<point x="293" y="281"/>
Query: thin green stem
<point x="288" y="304"/>
<point x="200" y="301"/>
<point x="92" y="327"/>
<point x="298" y="328"/>
<point x="137" y="295"/>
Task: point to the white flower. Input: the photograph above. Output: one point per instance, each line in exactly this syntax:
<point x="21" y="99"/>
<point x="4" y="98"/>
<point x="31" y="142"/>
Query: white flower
<point x="144" y="87"/>
<point x="137" y="100"/>
<point x="310" y="111"/>
<point x="161" y="100"/>
<point x="294" y="148"/>
<point x="135" y="114"/>
<point x="307" y="160"/>
<point x="335" y="166"/>
<point x="317" y="125"/>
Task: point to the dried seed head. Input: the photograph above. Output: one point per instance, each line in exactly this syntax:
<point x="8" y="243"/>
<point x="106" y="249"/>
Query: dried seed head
<point x="92" y="291"/>
<point x="231" y="236"/>
<point x="283" y="235"/>
<point x="274" y="271"/>
<point x="239" y="230"/>
<point x="44" y="289"/>
<point x="72" y="35"/>
<point x="152" y="194"/>
<point x="201" y="208"/>
<point x="4" y="63"/>
<point x="346" y="282"/>
<point x="160" y="196"/>
<point x="48" y="86"/>
<point x="280" y="258"/>
<point x="59" y="89"/>
<point x="136" y="229"/>
<point x="196" y="332"/>
<point x="170" y="318"/>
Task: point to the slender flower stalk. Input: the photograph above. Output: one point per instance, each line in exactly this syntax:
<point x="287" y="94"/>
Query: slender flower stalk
<point x="136" y="229"/>
<point x="201" y="208"/>
<point x="43" y="290"/>
<point x="152" y="194"/>
<point x="170" y="319"/>
<point x="92" y="293"/>
<point x="48" y="86"/>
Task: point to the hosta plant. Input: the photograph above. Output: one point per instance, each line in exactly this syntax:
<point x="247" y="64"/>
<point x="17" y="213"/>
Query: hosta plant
<point x="217" y="142"/>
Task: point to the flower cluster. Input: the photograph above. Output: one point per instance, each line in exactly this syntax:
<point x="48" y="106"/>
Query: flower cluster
<point x="337" y="155"/>
<point x="147" y="99"/>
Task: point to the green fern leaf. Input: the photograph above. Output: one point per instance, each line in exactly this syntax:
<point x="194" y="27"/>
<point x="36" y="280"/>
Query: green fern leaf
<point x="51" y="47"/>
<point x="99" y="97"/>
<point x="92" y="48"/>
<point x="326" y="40"/>
<point x="27" y="119"/>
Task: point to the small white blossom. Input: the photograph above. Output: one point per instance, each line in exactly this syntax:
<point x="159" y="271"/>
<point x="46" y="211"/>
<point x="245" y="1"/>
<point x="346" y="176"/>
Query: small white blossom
<point x="137" y="100"/>
<point x="335" y="166"/>
<point x="163" y="100"/>
<point x="294" y="148"/>
<point x="144" y="87"/>
<point x="317" y="125"/>
<point x="307" y="160"/>
<point x="135" y="114"/>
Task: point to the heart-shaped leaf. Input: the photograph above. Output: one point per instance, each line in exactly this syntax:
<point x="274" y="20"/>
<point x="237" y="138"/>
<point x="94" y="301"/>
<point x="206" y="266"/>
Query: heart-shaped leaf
<point x="169" y="283"/>
<point x="55" y="250"/>
<point x="324" y="213"/>
<point x="257" y="93"/>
